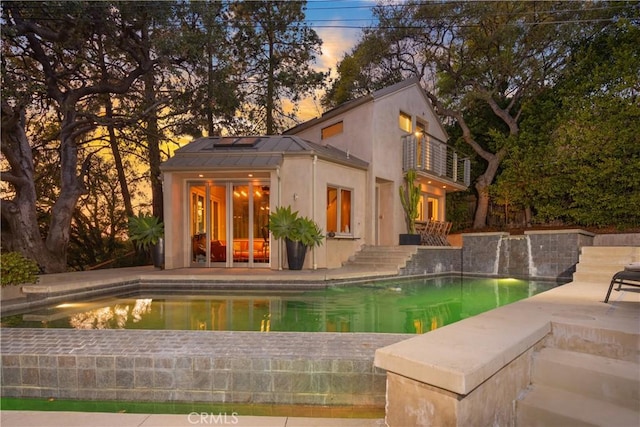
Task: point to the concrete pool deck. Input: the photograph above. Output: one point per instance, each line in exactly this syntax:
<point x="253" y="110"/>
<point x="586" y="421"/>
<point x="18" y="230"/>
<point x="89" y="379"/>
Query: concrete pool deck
<point x="578" y="304"/>
<point x="86" y="419"/>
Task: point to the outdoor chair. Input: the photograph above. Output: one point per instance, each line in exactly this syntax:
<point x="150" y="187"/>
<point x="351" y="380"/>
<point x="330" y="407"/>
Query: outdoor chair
<point x="446" y="228"/>
<point x="435" y="230"/>
<point x="630" y="276"/>
<point x="437" y="233"/>
<point x="422" y="229"/>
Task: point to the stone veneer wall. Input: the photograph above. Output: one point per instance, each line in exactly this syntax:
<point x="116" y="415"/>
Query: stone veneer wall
<point x="194" y="366"/>
<point x="621" y="239"/>
<point x="548" y="255"/>
<point x="555" y="254"/>
<point x="430" y="260"/>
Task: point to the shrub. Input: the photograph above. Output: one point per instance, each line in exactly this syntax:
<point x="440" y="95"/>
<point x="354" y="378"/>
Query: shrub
<point x="15" y="269"/>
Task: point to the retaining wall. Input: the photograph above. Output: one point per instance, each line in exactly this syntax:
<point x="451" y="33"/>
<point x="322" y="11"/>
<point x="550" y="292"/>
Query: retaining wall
<point x="194" y="366"/>
<point x="547" y="255"/>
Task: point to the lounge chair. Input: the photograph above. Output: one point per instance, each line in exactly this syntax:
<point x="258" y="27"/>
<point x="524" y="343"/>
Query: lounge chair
<point x="630" y="276"/>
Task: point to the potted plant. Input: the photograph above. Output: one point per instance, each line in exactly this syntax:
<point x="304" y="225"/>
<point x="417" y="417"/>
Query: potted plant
<point x="410" y="197"/>
<point x="147" y="233"/>
<point x="299" y="233"/>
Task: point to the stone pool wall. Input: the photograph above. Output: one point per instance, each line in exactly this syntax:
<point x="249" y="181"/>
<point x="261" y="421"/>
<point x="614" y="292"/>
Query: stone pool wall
<point x="194" y="366"/>
<point x="546" y="255"/>
<point x="430" y="260"/>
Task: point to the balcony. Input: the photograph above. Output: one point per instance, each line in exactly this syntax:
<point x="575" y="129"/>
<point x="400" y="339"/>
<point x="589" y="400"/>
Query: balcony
<point x="429" y="155"/>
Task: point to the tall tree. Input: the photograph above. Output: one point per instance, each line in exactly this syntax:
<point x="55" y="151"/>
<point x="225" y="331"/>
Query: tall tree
<point x="211" y="90"/>
<point x="359" y="73"/>
<point x="580" y="148"/>
<point x="47" y="51"/>
<point x="276" y="51"/>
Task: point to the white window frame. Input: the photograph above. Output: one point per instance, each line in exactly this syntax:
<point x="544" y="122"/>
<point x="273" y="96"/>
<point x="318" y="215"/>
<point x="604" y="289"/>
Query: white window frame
<point x="340" y="189"/>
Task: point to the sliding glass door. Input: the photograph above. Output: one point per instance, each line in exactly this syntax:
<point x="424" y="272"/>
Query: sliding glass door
<point x="207" y="224"/>
<point x="228" y="224"/>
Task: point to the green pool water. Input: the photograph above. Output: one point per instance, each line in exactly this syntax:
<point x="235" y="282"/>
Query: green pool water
<point x="399" y="306"/>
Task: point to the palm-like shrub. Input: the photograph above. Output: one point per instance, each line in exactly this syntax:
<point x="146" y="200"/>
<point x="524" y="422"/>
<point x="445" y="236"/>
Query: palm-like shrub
<point x="145" y="230"/>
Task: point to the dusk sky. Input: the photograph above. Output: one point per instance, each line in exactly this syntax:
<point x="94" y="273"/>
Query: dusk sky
<point x="339" y="25"/>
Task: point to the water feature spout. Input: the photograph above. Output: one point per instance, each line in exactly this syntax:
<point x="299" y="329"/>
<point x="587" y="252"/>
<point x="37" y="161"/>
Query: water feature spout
<point x="533" y="271"/>
<point x="496" y="265"/>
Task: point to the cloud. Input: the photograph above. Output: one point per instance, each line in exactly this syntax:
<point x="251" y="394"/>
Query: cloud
<point x="335" y="43"/>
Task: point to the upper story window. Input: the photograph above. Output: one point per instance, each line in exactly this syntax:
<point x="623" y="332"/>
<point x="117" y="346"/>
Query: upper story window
<point x="331" y="130"/>
<point x="339" y="210"/>
<point x="404" y="121"/>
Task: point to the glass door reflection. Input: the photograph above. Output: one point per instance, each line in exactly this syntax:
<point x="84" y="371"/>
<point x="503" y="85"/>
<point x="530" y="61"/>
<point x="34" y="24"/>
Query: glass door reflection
<point x="207" y="224"/>
<point x="250" y="224"/>
<point x="228" y="224"/>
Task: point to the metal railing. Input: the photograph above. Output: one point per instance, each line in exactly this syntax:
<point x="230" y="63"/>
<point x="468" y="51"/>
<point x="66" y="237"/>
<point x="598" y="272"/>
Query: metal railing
<point x="428" y="154"/>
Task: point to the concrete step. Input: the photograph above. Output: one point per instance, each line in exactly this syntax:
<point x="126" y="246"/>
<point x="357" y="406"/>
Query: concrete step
<point x="598" y="264"/>
<point x="374" y="262"/>
<point x="377" y="262"/>
<point x="597" y="377"/>
<point x="394" y="257"/>
<point x="545" y="406"/>
<point x="620" y="255"/>
<point x="594" y="277"/>
<point x="615" y="343"/>
<point x="405" y="250"/>
<point x="603" y="266"/>
<point x="389" y="256"/>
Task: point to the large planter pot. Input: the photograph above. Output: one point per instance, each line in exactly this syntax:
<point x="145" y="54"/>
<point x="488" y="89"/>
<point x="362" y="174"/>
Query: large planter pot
<point x="409" y="239"/>
<point x="296" y="252"/>
<point x="157" y="253"/>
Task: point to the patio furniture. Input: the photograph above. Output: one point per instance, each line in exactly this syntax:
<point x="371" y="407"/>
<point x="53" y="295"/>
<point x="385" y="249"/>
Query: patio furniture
<point x="241" y="251"/>
<point x="218" y="251"/>
<point x="433" y="233"/>
<point x="630" y="276"/>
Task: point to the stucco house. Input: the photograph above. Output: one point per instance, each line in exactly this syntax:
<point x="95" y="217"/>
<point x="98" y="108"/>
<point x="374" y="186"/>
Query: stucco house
<point x="342" y="169"/>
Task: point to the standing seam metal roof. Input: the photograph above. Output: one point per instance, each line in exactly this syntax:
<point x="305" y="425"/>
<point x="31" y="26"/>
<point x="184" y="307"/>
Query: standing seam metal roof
<point x="251" y="152"/>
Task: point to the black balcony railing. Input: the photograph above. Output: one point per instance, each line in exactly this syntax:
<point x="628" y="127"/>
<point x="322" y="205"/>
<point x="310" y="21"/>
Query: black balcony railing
<point x="428" y="154"/>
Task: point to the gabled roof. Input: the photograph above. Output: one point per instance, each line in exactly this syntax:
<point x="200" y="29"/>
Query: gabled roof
<point x="350" y="105"/>
<point x="255" y="152"/>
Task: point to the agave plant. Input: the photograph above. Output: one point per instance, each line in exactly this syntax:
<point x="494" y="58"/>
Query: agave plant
<point x="145" y="230"/>
<point x="286" y="224"/>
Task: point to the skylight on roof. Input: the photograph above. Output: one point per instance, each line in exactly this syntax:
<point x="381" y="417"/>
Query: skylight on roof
<point x="235" y="142"/>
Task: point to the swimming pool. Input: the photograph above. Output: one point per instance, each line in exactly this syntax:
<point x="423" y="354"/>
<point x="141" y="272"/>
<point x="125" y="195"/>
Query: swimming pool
<point x="395" y="306"/>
